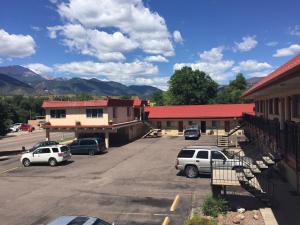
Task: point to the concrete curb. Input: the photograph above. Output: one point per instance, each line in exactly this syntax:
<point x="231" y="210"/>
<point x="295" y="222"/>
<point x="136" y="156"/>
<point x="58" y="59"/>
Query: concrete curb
<point x="268" y="216"/>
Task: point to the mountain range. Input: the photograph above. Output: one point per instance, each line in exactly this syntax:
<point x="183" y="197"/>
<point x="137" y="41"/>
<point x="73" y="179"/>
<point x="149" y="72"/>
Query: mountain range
<point x="21" y="80"/>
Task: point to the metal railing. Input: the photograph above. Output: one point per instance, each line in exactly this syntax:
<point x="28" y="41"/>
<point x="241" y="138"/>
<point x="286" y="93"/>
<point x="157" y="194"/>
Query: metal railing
<point x="240" y="170"/>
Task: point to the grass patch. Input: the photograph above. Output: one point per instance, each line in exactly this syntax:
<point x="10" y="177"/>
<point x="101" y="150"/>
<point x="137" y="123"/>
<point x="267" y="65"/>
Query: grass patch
<point x="198" y="220"/>
<point x="214" y="206"/>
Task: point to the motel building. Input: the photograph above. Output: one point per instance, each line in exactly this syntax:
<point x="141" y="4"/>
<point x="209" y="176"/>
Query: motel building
<point x="275" y="127"/>
<point x="114" y="120"/>
<point x="217" y="119"/>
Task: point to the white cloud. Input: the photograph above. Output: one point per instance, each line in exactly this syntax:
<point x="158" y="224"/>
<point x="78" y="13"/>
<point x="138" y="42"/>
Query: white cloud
<point x="177" y="36"/>
<point x="211" y="62"/>
<point x="159" y="82"/>
<point x="104" y="46"/>
<point x="16" y="45"/>
<point x="295" y="30"/>
<point x="246" y="45"/>
<point x="272" y="43"/>
<point x="136" y="25"/>
<point x="36" y="28"/>
<point x="291" y="50"/>
<point x="156" y="58"/>
<point x="213" y="55"/>
<point x="116" y="71"/>
<point x="250" y="66"/>
<point x="39" y="68"/>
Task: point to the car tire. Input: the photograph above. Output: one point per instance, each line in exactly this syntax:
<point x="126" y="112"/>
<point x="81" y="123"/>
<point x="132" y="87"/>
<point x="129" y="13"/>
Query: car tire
<point x="91" y="152"/>
<point x="191" y="172"/>
<point x="52" y="162"/>
<point x="26" y="162"/>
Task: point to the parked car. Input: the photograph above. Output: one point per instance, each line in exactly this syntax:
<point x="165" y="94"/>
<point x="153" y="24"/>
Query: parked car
<point x="78" y="220"/>
<point x="15" y="127"/>
<point x="41" y="123"/>
<point x="192" y="133"/>
<point x="42" y="144"/>
<point x="89" y="146"/>
<point x="53" y="155"/>
<point x="197" y="159"/>
<point x="26" y="127"/>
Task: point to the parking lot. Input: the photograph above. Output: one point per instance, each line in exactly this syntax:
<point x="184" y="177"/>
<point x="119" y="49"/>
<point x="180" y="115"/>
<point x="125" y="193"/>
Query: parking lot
<point x="132" y="184"/>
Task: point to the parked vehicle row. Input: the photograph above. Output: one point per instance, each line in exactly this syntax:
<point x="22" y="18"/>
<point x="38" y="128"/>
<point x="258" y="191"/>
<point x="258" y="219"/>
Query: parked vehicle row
<point x="21" y="127"/>
<point x="53" y="153"/>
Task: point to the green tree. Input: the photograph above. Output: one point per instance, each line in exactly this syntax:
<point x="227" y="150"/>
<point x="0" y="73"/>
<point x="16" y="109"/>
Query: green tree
<point x="232" y="92"/>
<point x="4" y="118"/>
<point x="191" y="87"/>
<point x="158" y="98"/>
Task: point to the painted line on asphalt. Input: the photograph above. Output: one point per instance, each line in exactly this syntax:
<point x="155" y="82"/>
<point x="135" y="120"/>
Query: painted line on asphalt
<point x="166" y="221"/>
<point x="175" y="203"/>
<point x="5" y="171"/>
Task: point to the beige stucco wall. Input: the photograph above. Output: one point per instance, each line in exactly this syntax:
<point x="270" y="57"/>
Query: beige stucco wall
<point x="173" y="129"/>
<point x="79" y="114"/>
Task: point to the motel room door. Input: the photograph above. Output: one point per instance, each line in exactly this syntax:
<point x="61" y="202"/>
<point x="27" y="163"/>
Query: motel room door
<point x="227" y="125"/>
<point x="158" y="124"/>
<point x="203" y="127"/>
<point x="180" y="126"/>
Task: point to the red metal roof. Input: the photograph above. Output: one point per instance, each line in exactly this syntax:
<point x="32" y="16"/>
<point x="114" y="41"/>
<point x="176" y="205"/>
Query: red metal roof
<point x="199" y="111"/>
<point x="94" y="103"/>
<point x="278" y="74"/>
<point x="70" y="104"/>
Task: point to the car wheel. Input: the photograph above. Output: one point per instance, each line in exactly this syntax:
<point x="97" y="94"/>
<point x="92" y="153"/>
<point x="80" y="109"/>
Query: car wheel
<point x="191" y="172"/>
<point x="26" y="162"/>
<point x="91" y="152"/>
<point x="52" y="162"/>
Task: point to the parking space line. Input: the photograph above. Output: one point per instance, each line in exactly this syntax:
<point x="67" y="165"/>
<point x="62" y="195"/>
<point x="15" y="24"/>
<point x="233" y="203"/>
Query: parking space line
<point x="166" y="221"/>
<point x="5" y="171"/>
<point x="175" y="203"/>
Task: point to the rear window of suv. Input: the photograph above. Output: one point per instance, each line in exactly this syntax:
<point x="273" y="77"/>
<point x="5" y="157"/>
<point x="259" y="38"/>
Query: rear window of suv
<point x="186" y="154"/>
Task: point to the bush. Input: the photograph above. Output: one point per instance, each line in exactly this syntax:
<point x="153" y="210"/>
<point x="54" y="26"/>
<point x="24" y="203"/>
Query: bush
<point x="198" y="220"/>
<point x="214" y="206"/>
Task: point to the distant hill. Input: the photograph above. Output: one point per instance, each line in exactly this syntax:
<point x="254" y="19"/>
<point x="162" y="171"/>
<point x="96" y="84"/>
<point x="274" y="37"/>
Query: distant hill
<point x="93" y="86"/>
<point x="143" y="89"/>
<point x="253" y="80"/>
<point x="23" y="74"/>
<point x="12" y="86"/>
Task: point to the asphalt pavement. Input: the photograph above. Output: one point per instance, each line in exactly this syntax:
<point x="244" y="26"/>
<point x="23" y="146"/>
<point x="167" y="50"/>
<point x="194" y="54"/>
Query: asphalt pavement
<point x="132" y="184"/>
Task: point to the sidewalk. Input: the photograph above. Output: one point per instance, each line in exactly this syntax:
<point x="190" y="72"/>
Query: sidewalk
<point x="286" y="206"/>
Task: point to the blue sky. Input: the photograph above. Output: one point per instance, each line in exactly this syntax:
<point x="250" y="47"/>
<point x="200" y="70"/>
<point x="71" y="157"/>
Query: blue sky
<point x="142" y="42"/>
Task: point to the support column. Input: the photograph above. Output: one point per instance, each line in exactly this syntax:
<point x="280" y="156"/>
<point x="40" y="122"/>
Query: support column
<point x="47" y="134"/>
<point x="106" y="139"/>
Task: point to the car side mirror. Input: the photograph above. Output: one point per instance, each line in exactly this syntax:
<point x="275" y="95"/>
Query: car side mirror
<point x="224" y="160"/>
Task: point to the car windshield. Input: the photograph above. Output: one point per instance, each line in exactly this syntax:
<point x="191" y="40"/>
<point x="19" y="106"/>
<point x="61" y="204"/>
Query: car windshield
<point x="36" y="145"/>
<point x="100" y="222"/>
<point x="229" y="155"/>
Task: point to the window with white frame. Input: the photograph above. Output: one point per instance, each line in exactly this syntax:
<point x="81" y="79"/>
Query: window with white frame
<point x="58" y="113"/>
<point x="94" y="113"/>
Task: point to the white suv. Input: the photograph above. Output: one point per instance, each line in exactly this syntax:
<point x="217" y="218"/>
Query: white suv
<point x="193" y="160"/>
<point x="53" y="155"/>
